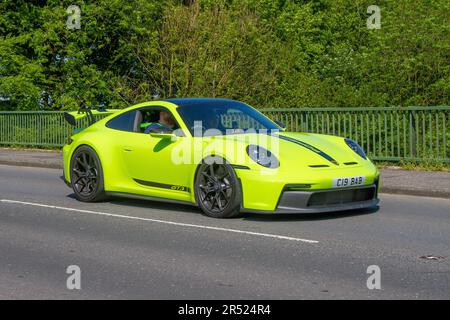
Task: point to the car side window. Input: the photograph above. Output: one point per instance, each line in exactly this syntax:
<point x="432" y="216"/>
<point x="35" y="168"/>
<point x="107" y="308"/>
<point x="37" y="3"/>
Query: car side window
<point x="124" y="122"/>
<point x="153" y="115"/>
<point x="149" y="116"/>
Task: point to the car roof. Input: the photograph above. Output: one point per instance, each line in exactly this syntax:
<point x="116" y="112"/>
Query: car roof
<point x="181" y="102"/>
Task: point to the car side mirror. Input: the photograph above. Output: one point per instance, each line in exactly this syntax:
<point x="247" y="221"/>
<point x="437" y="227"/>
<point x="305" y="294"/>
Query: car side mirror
<point x="162" y="132"/>
<point x="163" y="135"/>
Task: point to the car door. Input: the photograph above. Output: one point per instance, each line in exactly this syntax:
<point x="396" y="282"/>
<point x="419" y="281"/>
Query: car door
<point x="151" y="162"/>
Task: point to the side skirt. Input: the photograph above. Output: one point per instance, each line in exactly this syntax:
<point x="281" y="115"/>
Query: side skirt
<point x="142" y="197"/>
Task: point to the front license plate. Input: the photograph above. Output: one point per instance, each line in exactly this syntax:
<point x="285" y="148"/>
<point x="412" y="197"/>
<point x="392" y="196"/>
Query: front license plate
<point x="349" y="181"/>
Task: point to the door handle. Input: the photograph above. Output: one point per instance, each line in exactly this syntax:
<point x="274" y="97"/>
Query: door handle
<point x="127" y="149"/>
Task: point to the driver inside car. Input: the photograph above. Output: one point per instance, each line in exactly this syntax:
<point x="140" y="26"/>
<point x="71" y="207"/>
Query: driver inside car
<point x="166" y="123"/>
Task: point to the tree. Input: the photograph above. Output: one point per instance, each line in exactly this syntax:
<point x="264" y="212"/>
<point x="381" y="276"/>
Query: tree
<point x="270" y="53"/>
<point x="45" y="65"/>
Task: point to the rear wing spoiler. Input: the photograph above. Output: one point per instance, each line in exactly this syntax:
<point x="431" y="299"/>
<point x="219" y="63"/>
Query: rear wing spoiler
<point x="92" y="116"/>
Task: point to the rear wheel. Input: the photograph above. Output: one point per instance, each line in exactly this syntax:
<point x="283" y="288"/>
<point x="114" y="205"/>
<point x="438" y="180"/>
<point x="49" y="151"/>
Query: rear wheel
<point x="217" y="189"/>
<point x="86" y="175"/>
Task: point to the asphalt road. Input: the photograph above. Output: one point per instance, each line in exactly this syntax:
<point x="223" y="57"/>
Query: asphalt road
<point x="147" y="250"/>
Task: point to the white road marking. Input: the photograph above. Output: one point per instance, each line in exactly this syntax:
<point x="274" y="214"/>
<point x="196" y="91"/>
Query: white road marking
<point x="267" y="235"/>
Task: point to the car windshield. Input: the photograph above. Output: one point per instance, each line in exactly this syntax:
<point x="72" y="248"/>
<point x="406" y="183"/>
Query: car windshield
<point x="223" y="117"/>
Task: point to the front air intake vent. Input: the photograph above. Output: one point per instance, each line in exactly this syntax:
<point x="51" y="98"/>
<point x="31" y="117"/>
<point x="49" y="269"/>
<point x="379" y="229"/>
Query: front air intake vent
<point x="336" y="197"/>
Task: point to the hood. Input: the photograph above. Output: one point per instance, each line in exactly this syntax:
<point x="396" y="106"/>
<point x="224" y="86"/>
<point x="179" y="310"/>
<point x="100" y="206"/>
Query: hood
<point x="294" y="149"/>
<point x="318" y="149"/>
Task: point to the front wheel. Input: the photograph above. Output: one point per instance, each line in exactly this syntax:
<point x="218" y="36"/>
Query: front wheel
<point x="217" y="189"/>
<point x="86" y="175"/>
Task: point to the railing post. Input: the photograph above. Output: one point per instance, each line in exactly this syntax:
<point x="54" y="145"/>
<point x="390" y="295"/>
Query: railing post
<point x="412" y="135"/>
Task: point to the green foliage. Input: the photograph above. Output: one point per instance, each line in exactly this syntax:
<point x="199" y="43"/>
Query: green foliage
<point x="45" y="65"/>
<point x="269" y="53"/>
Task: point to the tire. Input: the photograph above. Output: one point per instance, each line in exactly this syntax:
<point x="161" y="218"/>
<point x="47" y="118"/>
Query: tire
<point x="217" y="189"/>
<point x="86" y="175"/>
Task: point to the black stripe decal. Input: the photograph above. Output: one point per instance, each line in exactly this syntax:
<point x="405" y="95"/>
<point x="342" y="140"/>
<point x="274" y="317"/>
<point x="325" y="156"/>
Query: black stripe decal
<point x="162" y="185"/>
<point x="309" y="147"/>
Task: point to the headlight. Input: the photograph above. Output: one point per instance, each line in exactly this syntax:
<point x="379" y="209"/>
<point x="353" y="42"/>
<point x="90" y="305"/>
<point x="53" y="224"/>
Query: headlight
<point x="262" y="156"/>
<point x="356" y="147"/>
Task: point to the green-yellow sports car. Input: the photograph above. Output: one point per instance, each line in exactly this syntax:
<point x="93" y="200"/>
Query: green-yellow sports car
<point x="221" y="155"/>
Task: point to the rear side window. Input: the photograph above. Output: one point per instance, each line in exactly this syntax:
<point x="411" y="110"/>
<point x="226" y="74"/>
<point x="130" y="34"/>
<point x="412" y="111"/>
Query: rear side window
<point x="124" y="122"/>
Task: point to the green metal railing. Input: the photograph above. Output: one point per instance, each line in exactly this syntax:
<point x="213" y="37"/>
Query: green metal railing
<point x="391" y="134"/>
<point x="35" y="128"/>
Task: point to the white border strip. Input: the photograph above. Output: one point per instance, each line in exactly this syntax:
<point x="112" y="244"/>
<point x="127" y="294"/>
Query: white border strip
<point x="267" y="235"/>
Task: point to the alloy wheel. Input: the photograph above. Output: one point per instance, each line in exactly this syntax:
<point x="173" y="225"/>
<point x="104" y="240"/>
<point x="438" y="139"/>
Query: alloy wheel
<point x="85" y="174"/>
<point x="215" y="187"/>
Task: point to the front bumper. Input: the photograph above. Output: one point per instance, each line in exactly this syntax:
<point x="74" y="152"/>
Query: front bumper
<point x="264" y="190"/>
<point x="328" y="200"/>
